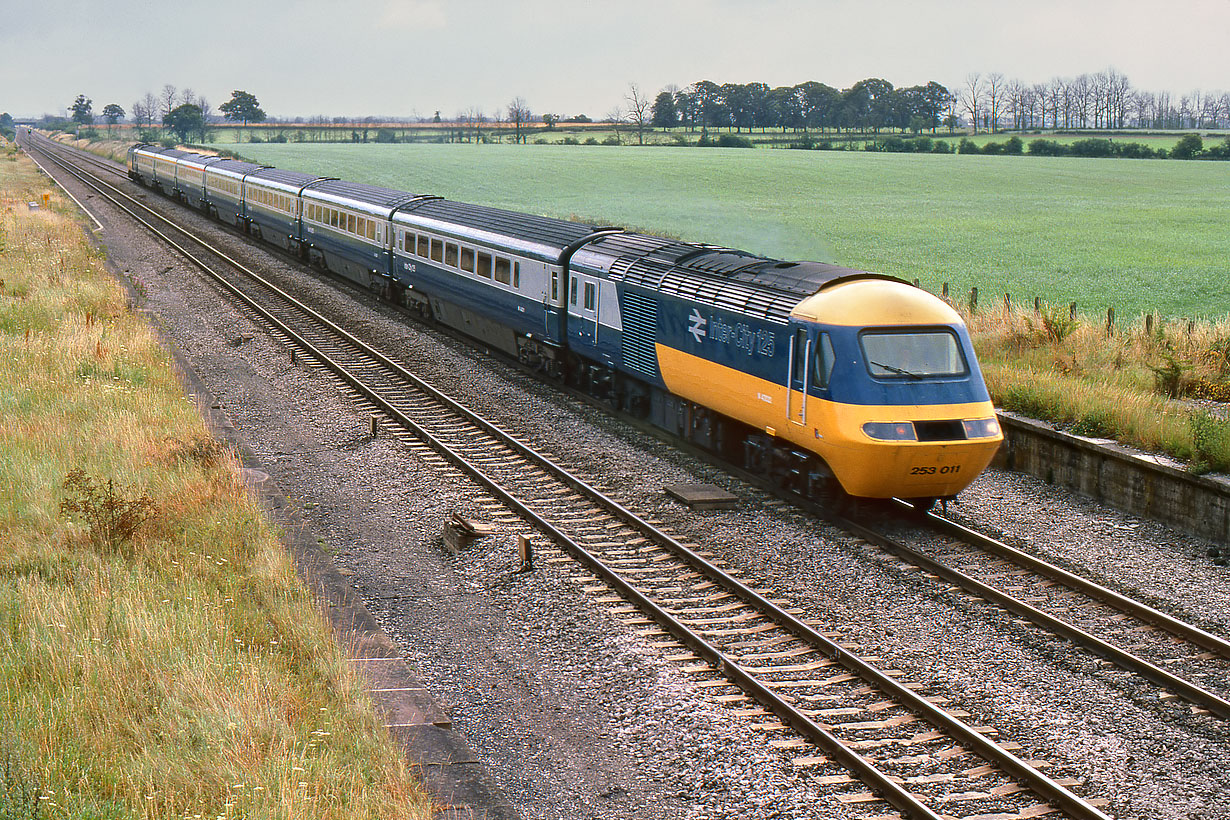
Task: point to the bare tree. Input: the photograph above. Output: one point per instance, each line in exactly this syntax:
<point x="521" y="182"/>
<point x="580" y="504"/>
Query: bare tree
<point x="150" y="104"/>
<point x="996" y="90"/>
<point x="138" y="112"/>
<point x="971" y="97"/>
<point x="1054" y="93"/>
<point x="616" y="118"/>
<point x="167" y="100"/>
<point x="638" y="111"/>
<point x="1081" y="90"/>
<point x="519" y="115"/>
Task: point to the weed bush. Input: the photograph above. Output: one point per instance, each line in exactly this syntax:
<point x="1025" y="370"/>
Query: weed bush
<point x="112" y="518"/>
<point x="1189" y="147"/>
<point x="1210" y="443"/>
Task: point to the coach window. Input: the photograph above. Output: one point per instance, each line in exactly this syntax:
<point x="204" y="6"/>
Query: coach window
<point x="350" y="223"/>
<point x="572" y="296"/>
<point x="516" y="274"/>
<point x="484" y="265"/>
<point x="423" y="245"/>
<point x="467" y="259"/>
<point x="823" y="360"/>
<point x="437" y="250"/>
<point x="450" y="255"/>
<point x="371" y="229"/>
<point x="590" y="294"/>
<point x="503" y="273"/>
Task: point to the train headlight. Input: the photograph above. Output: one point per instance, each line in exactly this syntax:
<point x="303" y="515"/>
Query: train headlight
<point x="981" y="428"/>
<point x="890" y="430"/>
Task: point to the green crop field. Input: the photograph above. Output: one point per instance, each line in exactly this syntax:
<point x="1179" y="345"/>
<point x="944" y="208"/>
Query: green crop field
<point x="1136" y="235"/>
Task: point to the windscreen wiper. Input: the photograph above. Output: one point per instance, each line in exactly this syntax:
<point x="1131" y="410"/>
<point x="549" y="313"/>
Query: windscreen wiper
<point x="898" y="370"/>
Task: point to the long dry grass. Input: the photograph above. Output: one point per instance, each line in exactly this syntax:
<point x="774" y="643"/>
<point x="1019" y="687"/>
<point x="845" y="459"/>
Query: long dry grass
<point x="1150" y="383"/>
<point x="184" y="673"/>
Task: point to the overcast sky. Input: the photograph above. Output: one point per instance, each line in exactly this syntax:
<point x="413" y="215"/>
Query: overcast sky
<point x="406" y="57"/>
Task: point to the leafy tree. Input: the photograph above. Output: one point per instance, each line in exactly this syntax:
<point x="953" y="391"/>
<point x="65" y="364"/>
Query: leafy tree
<point x="550" y="120"/>
<point x="242" y="107"/>
<point x="112" y="113"/>
<point x="83" y="108"/>
<point x="665" y="114"/>
<point x="185" y="120"/>
<point x="787" y="106"/>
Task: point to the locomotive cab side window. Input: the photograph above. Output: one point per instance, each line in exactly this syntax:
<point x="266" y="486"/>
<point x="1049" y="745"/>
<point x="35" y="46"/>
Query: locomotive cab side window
<point x="823" y="360"/>
<point x="800" y="356"/>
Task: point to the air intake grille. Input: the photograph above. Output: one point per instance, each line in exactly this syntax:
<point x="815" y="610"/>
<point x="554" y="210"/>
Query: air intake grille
<point x="640" y="320"/>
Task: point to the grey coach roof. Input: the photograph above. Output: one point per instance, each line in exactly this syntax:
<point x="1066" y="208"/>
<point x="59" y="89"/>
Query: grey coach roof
<point x="543" y="230"/>
<point x="290" y="179"/>
<point x="342" y="192"/>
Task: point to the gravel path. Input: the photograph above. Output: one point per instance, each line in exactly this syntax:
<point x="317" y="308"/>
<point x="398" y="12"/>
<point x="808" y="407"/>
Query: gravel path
<point x="573" y="714"/>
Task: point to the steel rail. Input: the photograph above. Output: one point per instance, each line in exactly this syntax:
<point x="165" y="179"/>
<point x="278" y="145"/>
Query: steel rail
<point x="897" y="796"/>
<point x="1137" y="609"/>
<point x="1190" y="691"/>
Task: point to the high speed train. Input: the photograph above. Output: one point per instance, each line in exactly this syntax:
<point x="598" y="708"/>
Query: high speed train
<point x="823" y="378"/>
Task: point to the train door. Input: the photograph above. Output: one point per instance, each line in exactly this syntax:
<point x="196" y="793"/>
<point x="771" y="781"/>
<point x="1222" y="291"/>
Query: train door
<point x="583" y="309"/>
<point x="796" y="387"/>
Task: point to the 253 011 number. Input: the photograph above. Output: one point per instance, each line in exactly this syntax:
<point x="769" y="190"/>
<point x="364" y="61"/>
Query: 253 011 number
<point x="948" y="469"/>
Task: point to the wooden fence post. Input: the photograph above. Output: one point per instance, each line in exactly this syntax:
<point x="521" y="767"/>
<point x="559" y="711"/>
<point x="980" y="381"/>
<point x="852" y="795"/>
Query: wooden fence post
<point x="973" y="300"/>
<point x="1072" y="311"/>
<point x="1037" y="305"/>
<point x="944" y="292"/>
<point x="1110" y="321"/>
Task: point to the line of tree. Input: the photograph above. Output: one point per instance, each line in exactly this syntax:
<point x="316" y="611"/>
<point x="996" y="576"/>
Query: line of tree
<point x="987" y="102"/>
<point x="868" y="105"/>
<point x="1105" y="100"/>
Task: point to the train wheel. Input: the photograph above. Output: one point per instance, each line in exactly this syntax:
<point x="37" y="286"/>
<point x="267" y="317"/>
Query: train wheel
<point x="922" y="505"/>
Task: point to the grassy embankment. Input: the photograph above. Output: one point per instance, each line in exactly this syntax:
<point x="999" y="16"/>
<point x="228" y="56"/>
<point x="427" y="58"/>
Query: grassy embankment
<point x="183" y="671"/>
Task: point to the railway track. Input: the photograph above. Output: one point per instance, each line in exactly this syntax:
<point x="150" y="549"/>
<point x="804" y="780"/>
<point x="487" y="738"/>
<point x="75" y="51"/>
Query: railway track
<point x="804" y="687"/>
<point x="1184" y="660"/>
